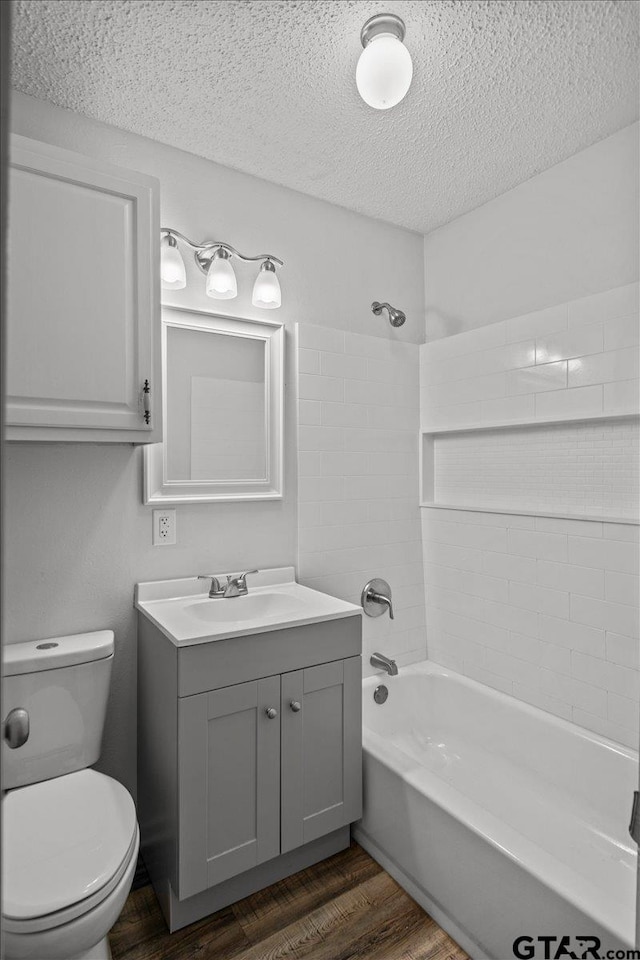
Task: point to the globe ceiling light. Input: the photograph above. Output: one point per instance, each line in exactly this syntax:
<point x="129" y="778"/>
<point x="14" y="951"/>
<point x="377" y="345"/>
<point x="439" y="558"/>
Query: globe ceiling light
<point x="385" y="70"/>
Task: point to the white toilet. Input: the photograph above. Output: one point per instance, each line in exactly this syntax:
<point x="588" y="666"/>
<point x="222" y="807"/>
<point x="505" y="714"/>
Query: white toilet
<point x="70" y="835"/>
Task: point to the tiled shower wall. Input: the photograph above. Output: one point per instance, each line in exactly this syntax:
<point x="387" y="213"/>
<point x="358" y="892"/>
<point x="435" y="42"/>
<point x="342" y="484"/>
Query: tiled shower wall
<point x="359" y="518"/>
<point x="545" y="609"/>
<point x="577" y="359"/>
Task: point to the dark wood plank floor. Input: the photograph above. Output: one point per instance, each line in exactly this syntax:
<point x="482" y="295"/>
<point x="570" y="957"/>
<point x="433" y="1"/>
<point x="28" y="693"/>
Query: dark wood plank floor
<point x="345" y="908"/>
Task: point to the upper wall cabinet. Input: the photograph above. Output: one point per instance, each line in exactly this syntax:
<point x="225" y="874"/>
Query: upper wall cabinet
<point x="83" y="333"/>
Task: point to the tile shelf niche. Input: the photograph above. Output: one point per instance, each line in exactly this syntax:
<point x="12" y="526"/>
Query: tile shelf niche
<point x="531" y="512"/>
<point x="515" y="424"/>
<point x="625" y="483"/>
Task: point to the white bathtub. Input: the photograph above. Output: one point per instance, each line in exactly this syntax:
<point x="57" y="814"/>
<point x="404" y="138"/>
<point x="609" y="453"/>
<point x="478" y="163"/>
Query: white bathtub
<point x="501" y="820"/>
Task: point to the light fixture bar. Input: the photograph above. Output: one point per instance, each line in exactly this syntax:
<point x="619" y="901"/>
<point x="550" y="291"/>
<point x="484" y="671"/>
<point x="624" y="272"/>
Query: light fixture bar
<point x="210" y="246"/>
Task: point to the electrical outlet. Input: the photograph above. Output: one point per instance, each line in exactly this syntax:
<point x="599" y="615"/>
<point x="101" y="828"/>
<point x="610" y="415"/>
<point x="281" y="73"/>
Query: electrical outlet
<point x="164" y="527"/>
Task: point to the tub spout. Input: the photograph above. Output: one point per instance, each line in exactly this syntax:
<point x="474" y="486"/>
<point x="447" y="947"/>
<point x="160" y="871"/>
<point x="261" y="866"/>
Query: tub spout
<point x="379" y="660"/>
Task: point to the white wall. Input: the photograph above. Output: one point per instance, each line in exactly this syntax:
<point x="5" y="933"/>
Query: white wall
<point x="569" y="232"/>
<point x="77" y="537"/>
<point x="358" y="464"/>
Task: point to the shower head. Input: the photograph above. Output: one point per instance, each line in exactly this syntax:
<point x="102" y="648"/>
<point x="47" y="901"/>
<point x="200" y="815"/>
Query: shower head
<point x="396" y="317"/>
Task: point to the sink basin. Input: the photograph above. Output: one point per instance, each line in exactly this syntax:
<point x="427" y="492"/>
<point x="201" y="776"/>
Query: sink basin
<point x="183" y="611"/>
<point x="251" y="607"/>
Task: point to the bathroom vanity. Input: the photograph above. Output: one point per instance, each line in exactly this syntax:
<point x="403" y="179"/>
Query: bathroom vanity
<point x="249" y="736"/>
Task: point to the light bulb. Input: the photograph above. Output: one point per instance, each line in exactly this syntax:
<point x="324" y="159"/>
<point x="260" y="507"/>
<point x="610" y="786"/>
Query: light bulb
<point x="385" y="70"/>
<point x="172" y="271"/>
<point x="266" y="289"/>
<point x="221" y="279"/>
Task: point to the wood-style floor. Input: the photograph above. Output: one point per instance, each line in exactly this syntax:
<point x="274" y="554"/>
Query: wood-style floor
<point x="345" y="908"/>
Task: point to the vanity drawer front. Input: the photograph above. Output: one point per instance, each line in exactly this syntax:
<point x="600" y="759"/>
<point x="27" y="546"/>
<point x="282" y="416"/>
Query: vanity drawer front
<point x="207" y="666"/>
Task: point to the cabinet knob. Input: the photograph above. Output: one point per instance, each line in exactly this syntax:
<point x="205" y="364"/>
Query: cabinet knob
<point x="271" y="712"/>
<point x="296" y="706"/>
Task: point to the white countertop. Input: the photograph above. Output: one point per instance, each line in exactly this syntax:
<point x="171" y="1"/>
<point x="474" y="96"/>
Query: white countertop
<point x="186" y="615"/>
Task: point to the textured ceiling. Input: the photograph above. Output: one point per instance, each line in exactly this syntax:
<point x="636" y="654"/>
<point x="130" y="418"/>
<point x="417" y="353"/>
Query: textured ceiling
<point x="502" y="89"/>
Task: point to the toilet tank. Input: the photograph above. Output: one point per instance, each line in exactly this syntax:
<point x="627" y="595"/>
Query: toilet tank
<point x="63" y="684"/>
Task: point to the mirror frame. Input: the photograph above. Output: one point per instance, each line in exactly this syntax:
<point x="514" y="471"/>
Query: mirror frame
<point x="156" y="488"/>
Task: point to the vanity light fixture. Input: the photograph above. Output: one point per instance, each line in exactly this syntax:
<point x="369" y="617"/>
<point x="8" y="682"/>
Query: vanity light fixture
<point x="214" y="260"/>
<point x="174" y="275"/>
<point x="385" y="69"/>
<point x="221" y="279"/>
<point x="266" y="289"/>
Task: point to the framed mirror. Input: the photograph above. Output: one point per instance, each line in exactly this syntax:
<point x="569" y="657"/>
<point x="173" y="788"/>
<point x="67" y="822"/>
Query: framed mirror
<point x="223" y="385"/>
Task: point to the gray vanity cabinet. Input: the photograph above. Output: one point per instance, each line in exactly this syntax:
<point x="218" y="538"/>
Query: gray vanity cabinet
<point x="229" y="763"/>
<point x="321" y="750"/>
<point x="249" y="759"/>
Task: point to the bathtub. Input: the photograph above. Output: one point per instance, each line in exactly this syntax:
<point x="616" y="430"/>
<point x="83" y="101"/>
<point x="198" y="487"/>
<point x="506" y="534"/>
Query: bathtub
<point x="501" y="820"/>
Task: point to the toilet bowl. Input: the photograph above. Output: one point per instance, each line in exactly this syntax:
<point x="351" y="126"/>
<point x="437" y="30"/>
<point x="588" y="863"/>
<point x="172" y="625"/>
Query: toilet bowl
<point x="70" y="841"/>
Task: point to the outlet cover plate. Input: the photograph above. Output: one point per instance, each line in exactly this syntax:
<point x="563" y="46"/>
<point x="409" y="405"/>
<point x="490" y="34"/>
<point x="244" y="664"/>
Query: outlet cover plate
<point x="164" y="528"/>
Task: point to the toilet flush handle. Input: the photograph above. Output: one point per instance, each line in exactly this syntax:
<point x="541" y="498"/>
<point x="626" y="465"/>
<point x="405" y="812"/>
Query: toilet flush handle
<point x="16" y="728"/>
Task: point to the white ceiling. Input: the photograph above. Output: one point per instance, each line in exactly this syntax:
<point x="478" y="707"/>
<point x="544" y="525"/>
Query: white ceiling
<point x="502" y="89"/>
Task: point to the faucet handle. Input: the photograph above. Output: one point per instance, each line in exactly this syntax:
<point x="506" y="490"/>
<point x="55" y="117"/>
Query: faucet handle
<point x="239" y="578"/>
<point x="376" y="598"/>
<point x="216" y="590"/>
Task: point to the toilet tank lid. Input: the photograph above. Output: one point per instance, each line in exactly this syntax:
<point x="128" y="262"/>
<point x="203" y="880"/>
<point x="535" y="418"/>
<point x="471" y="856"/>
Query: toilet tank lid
<point x="35" y="655"/>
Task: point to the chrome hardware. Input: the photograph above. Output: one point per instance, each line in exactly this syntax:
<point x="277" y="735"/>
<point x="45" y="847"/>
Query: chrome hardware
<point x="388" y="23"/>
<point x="271" y="712"/>
<point x="16" y="728"/>
<point x="380" y="694"/>
<point x="296" y="706"/>
<point x="396" y="317"/>
<point x="379" y="660"/>
<point x="216" y="590"/>
<point x="376" y="598"/>
<point x="204" y="251"/>
<point x="237" y="584"/>
<point x="634" y="825"/>
<point x="146" y="401"/>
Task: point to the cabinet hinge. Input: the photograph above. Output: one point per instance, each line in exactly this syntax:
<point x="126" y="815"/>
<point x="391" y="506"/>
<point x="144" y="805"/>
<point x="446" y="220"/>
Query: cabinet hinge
<point x="146" y="401"/>
<point x="634" y="825"/>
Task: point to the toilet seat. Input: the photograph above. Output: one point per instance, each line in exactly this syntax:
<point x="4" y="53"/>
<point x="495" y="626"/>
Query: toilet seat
<point x="68" y="842"/>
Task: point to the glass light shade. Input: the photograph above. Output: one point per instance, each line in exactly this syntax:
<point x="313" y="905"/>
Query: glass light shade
<point x="172" y="271"/>
<point x="221" y="279"/>
<point x="384" y="72"/>
<point x="266" y="290"/>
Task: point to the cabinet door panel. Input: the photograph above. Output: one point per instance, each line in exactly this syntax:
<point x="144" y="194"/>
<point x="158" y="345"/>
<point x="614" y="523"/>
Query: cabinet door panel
<point x="229" y="754"/>
<point x="82" y="292"/>
<point x="321" y="750"/>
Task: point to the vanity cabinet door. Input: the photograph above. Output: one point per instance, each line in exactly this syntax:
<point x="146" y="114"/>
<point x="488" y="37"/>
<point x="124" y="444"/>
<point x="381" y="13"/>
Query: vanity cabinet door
<point x="83" y="314"/>
<point x="321" y="750"/>
<point x="229" y="782"/>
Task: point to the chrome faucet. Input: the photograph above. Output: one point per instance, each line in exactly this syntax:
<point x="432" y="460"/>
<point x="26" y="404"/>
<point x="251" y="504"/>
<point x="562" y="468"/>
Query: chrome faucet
<point x="237" y="585"/>
<point x="379" y="660"/>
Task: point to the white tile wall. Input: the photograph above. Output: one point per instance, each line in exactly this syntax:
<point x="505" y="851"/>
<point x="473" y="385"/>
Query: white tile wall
<point x="589" y="467"/>
<point x="543" y="609"/>
<point x="358" y="479"/>
<point x="578" y="359"/>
